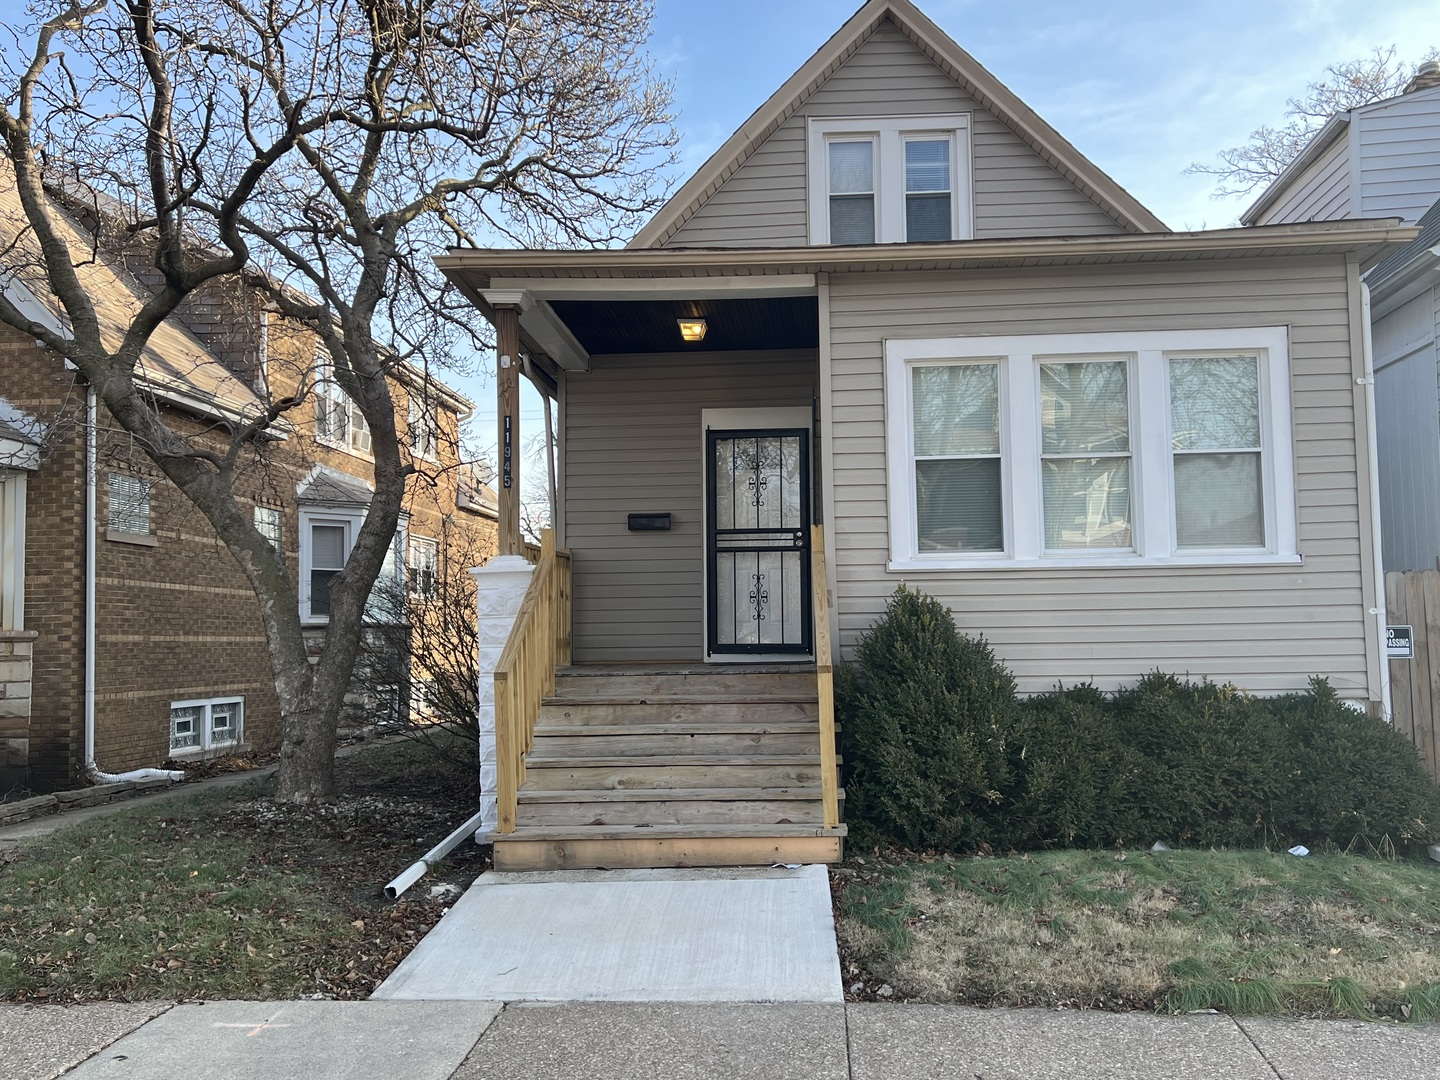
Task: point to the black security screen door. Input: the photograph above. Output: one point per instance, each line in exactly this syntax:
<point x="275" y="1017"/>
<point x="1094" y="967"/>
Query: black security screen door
<point x="758" y="542"/>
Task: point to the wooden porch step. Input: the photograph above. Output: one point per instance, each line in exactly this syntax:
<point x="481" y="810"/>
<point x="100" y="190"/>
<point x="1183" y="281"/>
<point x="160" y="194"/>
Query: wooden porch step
<point x="671" y="771"/>
<point x="660" y="794"/>
<point x="604" y="744"/>
<point x="623" y="847"/>
<point x="602" y="730"/>
<point x="678" y="711"/>
<point x="713" y="681"/>
<point x="675" y="806"/>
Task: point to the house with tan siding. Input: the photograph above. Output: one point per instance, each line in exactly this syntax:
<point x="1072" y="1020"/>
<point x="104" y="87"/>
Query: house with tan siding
<point x="129" y="636"/>
<point x="898" y="305"/>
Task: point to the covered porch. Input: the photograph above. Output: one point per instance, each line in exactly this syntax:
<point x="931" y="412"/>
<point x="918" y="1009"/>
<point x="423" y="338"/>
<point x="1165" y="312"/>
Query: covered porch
<point x="663" y="697"/>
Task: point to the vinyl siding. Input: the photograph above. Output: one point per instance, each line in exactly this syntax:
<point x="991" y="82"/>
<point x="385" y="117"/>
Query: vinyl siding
<point x="1320" y="193"/>
<point x="633" y="444"/>
<point x="1408" y="403"/>
<point x="1268" y="629"/>
<point x="1399" y="154"/>
<point x="763" y="204"/>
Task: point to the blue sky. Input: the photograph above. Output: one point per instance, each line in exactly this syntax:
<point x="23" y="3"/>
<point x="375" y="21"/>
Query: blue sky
<point x="1141" y="88"/>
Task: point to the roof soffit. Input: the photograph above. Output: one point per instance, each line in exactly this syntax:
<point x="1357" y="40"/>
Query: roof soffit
<point x="955" y="62"/>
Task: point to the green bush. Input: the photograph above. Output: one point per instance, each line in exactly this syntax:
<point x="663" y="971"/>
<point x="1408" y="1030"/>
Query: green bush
<point x="1353" y="780"/>
<point x="1073" y="775"/>
<point x="1214" y="761"/>
<point x="924" y="715"/>
<point x="940" y="753"/>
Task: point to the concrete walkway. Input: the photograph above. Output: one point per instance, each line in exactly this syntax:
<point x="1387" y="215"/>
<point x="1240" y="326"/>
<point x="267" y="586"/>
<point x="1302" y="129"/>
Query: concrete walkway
<point x="753" y="934"/>
<point x="385" y="1040"/>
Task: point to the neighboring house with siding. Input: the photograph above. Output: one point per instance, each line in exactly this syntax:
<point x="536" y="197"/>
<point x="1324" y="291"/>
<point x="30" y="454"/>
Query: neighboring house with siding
<point x="1384" y="159"/>
<point x="173" y="662"/>
<point x="933" y="325"/>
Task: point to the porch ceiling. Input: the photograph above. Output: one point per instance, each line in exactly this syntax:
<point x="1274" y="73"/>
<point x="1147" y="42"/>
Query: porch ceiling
<point x="649" y="326"/>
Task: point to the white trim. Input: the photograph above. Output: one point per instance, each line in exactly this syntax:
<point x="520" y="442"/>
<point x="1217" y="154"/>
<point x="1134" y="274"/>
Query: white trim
<point x="1153" y="529"/>
<point x="12" y="550"/>
<point x="351" y="521"/>
<point x="750" y="286"/>
<point x="741" y="420"/>
<point x="204" y="741"/>
<point x="890" y="134"/>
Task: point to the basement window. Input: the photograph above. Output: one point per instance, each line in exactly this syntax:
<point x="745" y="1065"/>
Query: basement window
<point x="206" y="724"/>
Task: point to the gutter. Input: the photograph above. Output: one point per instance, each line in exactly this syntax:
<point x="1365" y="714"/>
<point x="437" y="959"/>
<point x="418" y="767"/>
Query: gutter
<point x="92" y="770"/>
<point x="1367" y="351"/>
<point x="1260" y="240"/>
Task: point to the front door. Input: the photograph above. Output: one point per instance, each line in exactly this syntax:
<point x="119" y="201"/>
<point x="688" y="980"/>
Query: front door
<point x="758" y="542"/>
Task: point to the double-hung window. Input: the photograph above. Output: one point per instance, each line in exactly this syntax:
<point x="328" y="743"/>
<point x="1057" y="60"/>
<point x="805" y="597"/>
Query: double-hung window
<point x="327" y="535"/>
<point x="338" y="420"/>
<point x="423" y="567"/>
<point x="1113" y="449"/>
<point x="889" y="180"/>
<point x="424" y="429"/>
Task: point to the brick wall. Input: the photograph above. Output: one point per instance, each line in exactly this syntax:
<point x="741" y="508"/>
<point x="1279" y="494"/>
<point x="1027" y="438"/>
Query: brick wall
<point x="176" y="618"/>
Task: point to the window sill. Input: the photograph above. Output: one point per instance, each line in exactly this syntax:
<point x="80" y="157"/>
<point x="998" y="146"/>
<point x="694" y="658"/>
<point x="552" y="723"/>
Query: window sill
<point x="344" y="448"/>
<point x="140" y="539"/>
<point x="204" y="753"/>
<point x="1096" y="562"/>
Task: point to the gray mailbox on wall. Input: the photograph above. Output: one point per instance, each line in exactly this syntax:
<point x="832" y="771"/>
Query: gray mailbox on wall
<point x="649" y="522"/>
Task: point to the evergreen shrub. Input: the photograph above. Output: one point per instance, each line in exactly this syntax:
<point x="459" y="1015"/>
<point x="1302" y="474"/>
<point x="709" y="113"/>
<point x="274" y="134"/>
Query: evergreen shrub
<point x="924" y="715"/>
<point x="941" y="753"/>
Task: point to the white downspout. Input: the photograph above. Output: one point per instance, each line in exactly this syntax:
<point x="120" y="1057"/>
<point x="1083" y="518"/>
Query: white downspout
<point x="1368" y="356"/>
<point x="416" y="870"/>
<point x="93" y="770"/>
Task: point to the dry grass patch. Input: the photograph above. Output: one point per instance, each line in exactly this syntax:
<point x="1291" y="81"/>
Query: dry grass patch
<point x="230" y="894"/>
<point x="1245" y="932"/>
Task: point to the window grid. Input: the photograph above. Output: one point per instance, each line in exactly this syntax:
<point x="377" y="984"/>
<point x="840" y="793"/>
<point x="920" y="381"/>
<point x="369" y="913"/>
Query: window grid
<point x="424" y="430"/>
<point x="928" y="193"/>
<point x="944" y="492"/>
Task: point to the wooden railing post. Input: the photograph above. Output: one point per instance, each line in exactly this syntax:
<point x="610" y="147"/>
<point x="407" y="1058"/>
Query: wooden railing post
<point x="824" y="678"/>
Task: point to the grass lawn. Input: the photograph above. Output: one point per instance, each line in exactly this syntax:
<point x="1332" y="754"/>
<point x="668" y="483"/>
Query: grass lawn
<point x="230" y="894"/>
<point x="1241" y="931"/>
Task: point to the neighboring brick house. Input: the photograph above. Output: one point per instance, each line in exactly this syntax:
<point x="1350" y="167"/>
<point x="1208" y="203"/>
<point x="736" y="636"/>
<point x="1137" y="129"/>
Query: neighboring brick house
<point x="180" y="667"/>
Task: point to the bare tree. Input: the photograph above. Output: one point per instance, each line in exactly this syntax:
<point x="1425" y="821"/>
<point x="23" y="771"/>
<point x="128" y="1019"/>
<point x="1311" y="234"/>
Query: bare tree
<point x="325" y="149"/>
<point x="1345" y="86"/>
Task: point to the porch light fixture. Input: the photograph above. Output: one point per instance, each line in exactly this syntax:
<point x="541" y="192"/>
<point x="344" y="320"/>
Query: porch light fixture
<point x="692" y="329"/>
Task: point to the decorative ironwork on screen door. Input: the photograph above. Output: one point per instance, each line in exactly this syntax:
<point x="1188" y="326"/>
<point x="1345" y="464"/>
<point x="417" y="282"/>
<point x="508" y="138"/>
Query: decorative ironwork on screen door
<point x="758" y="486"/>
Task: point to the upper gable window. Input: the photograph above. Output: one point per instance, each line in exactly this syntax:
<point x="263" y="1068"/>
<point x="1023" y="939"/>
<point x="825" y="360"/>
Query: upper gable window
<point x="890" y="180"/>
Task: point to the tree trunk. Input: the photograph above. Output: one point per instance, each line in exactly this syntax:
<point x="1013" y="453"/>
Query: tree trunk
<point x="307" y="755"/>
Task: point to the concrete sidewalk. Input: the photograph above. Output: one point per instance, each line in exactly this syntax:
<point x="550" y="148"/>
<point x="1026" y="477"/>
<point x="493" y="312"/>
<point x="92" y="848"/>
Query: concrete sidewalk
<point x="452" y="1040"/>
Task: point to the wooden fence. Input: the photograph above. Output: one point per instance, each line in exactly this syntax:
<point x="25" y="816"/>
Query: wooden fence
<point x="1412" y="598"/>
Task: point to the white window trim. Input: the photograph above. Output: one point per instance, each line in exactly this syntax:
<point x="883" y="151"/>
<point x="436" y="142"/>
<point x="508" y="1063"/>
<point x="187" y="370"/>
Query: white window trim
<point x="412" y="565"/>
<point x="1152" y="475"/>
<point x="205" y="705"/>
<point x="890" y="133"/>
<point x="327" y="388"/>
<point x="422" y="419"/>
<point x="351" y="520"/>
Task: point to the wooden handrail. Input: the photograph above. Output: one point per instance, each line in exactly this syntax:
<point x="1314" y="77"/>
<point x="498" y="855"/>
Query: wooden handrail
<point x="539" y="641"/>
<point x="825" y="678"/>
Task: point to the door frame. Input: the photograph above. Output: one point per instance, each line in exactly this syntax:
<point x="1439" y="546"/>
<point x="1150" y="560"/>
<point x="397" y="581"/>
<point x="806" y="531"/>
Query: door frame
<point x="758" y="419"/>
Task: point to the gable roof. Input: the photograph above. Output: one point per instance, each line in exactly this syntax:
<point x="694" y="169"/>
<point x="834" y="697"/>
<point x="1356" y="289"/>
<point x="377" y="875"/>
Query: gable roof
<point x="941" y="50"/>
<point x="174" y="364"/>
<point x="1332" y="130"/>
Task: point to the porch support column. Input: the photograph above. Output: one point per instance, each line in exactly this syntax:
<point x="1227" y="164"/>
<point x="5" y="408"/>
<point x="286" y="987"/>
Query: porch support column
<point x="507" y="306"/>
